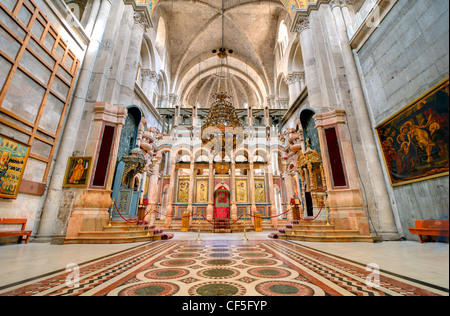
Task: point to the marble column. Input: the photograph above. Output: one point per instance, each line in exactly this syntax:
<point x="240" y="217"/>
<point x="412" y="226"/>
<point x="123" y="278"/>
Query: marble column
<point x="289" y="191"/>
<point x="233" y="189"/>
<point x="190" y="207"/>
<point x="273" y="209"/>
<point x="252" y="189"/>
<point x="153" y="189"/>
<point x="169" y="208"/>
<point x="210" y="208"/>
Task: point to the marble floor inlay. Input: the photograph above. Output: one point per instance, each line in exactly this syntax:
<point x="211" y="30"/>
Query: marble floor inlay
<point x="222" y="268"/>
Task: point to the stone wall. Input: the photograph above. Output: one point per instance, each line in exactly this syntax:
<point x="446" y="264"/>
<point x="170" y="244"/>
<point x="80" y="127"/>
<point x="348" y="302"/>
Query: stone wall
<point x="405" y="57"/>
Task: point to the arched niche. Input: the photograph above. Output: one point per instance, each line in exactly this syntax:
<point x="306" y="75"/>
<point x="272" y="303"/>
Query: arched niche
<point x="309" y="129"/>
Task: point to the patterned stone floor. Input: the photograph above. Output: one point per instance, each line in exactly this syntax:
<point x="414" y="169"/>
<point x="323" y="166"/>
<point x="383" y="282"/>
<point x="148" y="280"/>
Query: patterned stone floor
<point x="222" y="268"/>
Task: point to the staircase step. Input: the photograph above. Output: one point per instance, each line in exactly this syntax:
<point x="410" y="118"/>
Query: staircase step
<point x="320" y="232"/>
<point x="116" y="234"/>
<point x="358" y="238"/>
<point x="110" y="240"/>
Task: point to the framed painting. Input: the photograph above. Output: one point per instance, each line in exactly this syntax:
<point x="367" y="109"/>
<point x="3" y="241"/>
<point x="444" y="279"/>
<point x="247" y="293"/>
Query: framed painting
<point x="183" y="191"/>
<point x="415" y="141"/>
<point x="13" y="159"/>
<point x="202" y="191"/>
<point x="260" y="191"/>
<point x="78" y="171"/>
<point x="241" y="191"/>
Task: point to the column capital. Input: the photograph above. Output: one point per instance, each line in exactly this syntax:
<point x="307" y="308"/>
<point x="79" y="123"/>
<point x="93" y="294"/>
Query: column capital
<point x="340" y="3"/>
<point x="140" y="19"/>
<point x="295" y="77"/>
<point x="302" y="25"/>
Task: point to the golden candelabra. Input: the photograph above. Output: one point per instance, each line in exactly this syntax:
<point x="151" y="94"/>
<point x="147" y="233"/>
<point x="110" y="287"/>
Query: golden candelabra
<point x="245" y="229"/>
<point x="198" y="229"/>
<point x="111" y="214"/>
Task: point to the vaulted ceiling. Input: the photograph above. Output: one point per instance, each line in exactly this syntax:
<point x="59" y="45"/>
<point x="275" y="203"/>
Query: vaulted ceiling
<point x="194" y="30"/>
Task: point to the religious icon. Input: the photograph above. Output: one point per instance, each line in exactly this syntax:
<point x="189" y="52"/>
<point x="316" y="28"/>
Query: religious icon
<point x="77" y="172"/>
<point x="415" y="141"/>
<point x="241" y="191"/>
<point x="13" y="159"/>
<point x="183" y="191"/>
<point x="202" y="191"/>
<point x="260" y="191"/>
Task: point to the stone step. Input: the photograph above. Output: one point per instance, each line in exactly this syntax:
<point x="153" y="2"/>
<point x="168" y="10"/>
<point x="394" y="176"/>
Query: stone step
<point x="111" y="240"/>
<point x="116" y="234"/>
<point x="320" y="232"/>
<point x="357" y="238"/>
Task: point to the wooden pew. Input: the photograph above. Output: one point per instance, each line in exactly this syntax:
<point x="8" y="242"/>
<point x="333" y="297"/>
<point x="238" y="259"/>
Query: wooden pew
<point x="21" y="233"/>
<point x="430" y="228"/>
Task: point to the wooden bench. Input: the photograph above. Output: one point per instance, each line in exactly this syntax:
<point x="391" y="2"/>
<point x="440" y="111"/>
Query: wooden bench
<point x="430" y="228"/>
<point x="21" y="233"/>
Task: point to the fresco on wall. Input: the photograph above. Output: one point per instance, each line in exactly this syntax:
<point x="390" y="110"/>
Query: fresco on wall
<point x="415" y="141"/>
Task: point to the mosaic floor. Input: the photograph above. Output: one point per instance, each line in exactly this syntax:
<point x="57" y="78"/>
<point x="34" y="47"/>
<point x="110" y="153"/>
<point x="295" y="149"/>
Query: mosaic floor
<point x="221" y="268"/>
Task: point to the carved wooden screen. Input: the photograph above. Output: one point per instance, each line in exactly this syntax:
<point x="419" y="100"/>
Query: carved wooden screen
<point x="37" y="74"/>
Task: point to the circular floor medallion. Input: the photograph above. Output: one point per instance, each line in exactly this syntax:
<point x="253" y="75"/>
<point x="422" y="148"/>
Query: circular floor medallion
<point x="151" y="289"/>
<point x="184" y="255"/>
<point x="219" y="262"/>
<point x="283" y="288"/>
<point x="217" y="289"/>
<point x="260" y="262"/>
<point x="269" y="273"/>
<point x="220" y="255"/>
<point x="253" y="254"/>
<point x="177" y="262"/>
<point x="166" y="274"/>
<point x="218" y="273"/>
<point x="249" y="249"/>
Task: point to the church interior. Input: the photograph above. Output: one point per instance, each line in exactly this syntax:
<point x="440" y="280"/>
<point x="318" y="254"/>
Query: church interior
<point x="224" y="148"/>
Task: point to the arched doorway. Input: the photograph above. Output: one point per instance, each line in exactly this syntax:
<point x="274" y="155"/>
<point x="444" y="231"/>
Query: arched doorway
<point x="222" y="203"/>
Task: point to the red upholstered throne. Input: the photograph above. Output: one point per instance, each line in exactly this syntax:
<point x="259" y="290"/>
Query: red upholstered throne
<point x="222" y="203"/>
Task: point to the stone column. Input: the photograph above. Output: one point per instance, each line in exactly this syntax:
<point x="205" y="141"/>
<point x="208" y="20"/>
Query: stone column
<point x="250" y="116"/>
<point x="289" y="191"/>
<point x="149" y="82"/>
<point x="252" y="189"/>
<point x="190" y="207"/>
<point x="233" y="189"/>
<point x="177" y="116"/>
<point x="273" y="209"/>
<point x="295" y="82"/>
<point x="51" y="224"/>
<point x="210" y="208"/>
<point x="132" y="60"/>
<point x="312" y="80"/>
<point x="153" y="189"/>
<point x="90" y="22"/>
<point x="371" y="169"/>
<point x="169" y="208"/>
